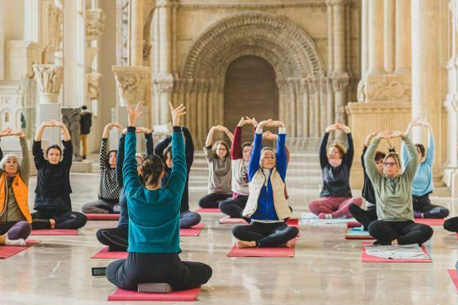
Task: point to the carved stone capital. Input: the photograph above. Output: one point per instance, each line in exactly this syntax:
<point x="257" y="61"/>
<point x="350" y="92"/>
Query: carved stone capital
<point x="95" y="23"/>
<point x="93" y="85"/>
<point x="131" y="83"/>
<point x="163" y="83"/>
<point x="386" y="87"/>
<point x="338" y="2"/>
<point x="340" y="81"/>
<point x="49" y="79"/>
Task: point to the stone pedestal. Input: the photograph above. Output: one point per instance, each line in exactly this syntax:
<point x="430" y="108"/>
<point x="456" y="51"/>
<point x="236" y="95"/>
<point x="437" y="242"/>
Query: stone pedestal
<point x="49" y="82"/>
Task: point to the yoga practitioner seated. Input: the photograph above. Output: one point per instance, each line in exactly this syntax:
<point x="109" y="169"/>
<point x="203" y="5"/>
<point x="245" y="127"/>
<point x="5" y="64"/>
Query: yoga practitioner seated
<point x="267" y="205"/>
<point x="108" y="202"/>
<point x="164" y="150"/>
<point x="423" y="184"/>
<point x="335" y="164"/>
<point x="117" y="238"/>
<point x="15" y="216"/>
<point x="219" y="169"/>
<point x="240" y="155"/>
<point x="368" y="193"/>
<point x="154" y="218"/>
<point x="393" y="193"/>
<point x="52" y="194"/>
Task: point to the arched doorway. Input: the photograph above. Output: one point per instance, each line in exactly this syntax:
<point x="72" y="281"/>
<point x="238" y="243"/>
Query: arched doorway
<point x="250" y="90"/>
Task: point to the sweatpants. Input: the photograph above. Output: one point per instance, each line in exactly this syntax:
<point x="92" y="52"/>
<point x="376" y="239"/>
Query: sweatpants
<point x="406" y="232"/>
<point x="364" y="217"/>
<point x="423" y="205"/>
<point x="265" y="234"/>
<point x="64" y="220"/>
<point x="336" y="206"/>
<point x="212" y="200"/>
<point x="189" y="219"/>
<point x="115" y="238"/>
<point x="16" y="229"/>
<point x="234" y="206"/>
<point x="100" y="206"/>
<point x="157" y="268"/>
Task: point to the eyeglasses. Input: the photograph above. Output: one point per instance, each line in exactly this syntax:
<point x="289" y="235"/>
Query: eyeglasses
<point x="389" y="163"/>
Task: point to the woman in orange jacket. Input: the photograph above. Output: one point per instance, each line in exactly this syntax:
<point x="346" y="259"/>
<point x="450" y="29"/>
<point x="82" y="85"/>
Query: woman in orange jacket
<point x="15" y="216"/>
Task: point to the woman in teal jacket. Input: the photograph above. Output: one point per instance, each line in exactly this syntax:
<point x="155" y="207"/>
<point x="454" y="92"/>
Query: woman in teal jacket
<point x="154" y="218"/>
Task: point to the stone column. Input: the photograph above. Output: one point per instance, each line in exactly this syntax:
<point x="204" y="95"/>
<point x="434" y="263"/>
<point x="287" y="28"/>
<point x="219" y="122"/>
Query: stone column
<point x="136" y="30"/>
<point x="164" y="77"/>
<point x="376" y="30"/>
<point x="426" y="69"/>
<point x="49" y="82"/>
<point x="389" y="35"/>
<point x="403" y="39"/>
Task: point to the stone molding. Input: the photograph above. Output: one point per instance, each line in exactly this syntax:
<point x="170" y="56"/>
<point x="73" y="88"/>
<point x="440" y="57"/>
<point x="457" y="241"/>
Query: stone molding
<point x="271" y="36"/>
<point x="382" y="108"/>
<point x="93" y="85"/>
<point x="131" y="83"/>
<point x="49" y="78"/>
<point x="388" y="87"/>
<point x="95" y="23"/>
<point x="199" y="6"/>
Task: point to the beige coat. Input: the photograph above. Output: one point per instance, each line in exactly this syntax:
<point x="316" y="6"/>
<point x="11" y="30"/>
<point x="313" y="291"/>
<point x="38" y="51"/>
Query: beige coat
<point x="278" y="186"/>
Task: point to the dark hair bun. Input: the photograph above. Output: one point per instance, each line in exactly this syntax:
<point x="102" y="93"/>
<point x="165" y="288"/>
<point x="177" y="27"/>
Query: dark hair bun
<point x="152" y="168"/>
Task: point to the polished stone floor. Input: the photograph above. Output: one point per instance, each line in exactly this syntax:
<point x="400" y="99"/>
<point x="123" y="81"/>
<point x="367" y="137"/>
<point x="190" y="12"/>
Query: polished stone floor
<point x="326" y="269"/>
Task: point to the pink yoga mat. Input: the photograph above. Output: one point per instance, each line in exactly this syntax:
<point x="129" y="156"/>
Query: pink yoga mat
<point x="353" y="224"/>
<point x="8" y="251"/>
<point x="104" y="254"/>
<point x="430" y="221"/>
<point x="102" y="216"/>
<point x="293" y="222"/>
<point x="126" y="295"/>
<point x="212" y="210"/>
<point x="454" y="275"/>
<point x="54" y="232"/>
<point x="372" y="259"/>
<point x="232" y="221"/>
<point x="193" y="231"/>
<point x="263" y="252"/>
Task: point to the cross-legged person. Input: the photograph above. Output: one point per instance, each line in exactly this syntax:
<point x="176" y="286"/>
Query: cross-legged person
<point x="393" y="192"/>
<point x="108" y="198"/>
<point x="52" y="193"/>
<point x="154" y="218"/>
<point x="267" y="206"/>
<point x="15" y="216"/>
<point x="219" y="169"/>
<point x="336" y="161"/>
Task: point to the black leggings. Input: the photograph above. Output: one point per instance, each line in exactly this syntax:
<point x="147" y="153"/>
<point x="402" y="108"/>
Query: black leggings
<point x="212" y="200"/>
<point x="115" y="238"/>
<point x="363" y="217"/>
<point x="451" y="224"/>
<point x="157" y="268"/>
<point x="406" y="232"/>
<point x="64" y="220"/>
<point x="233" y="206"/>
<point x="423" y="204"/>
<point x="266" y="234"/>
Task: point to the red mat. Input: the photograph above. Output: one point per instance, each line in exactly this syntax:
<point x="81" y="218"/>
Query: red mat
<point x="126" y="295"/>
<point x="454" y="275"/>
<point x="105" y="254"/>
<point x="431" y="221"/>
<point x="192" y="231"/>
<point x="102" y="216"/>
<point x="54" y="232"/>
<point x="212" y="210"/>
<point x="372" y="259"/>
<point x="263" y="252"/>
<point x="353" y="224"/>
<point x="232" y="221"/>
<point x="8" y="251"/>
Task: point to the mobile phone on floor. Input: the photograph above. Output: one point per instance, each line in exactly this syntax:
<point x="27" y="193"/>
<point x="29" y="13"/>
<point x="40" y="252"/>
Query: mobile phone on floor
<point x="99" y="271"/>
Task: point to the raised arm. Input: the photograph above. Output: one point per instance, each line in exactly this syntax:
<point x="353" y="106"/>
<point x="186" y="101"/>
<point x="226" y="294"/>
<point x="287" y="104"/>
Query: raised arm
<point x="253" y="164"/>
<point x="281" y="155"/>
<point x="430" y="153"/>
<point x="323" y="149"/>
<point x="189" y="147"/>
<point x="161" y="146"/>
<point x="211" y="132"/>
<point x="369" y="160"/>
<point x="348" y="159"/>
<point x="129" y="167"/>
<point x="65" y="132"/>
<point x="149" y="142"/>
<point x="236" y="149"/>
<point x="120" y="158"/>
<point x="68" y="147"/>
<point x="411" y="166"/>
<point x="37" y="151"/>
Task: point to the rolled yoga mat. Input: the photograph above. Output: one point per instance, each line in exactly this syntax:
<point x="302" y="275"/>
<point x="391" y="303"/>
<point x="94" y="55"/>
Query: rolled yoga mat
<point x="177" y="296"/>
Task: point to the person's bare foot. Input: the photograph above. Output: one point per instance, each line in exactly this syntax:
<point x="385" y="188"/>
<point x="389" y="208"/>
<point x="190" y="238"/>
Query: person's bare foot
<point x="52" y="223"/>
<point x="289" y="244"/>
<point x="245" y="244"/>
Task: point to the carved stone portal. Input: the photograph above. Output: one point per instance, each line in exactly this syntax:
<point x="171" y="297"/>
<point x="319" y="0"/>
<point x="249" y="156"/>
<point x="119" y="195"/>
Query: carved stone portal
<point x="95" y="23"/>
<point x="131" y="83"/>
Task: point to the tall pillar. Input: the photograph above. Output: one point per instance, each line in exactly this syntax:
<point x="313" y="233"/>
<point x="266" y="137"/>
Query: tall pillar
<point x="403" y="40"/>
<point x="49" y="82"/>
<point x="389" y="35"/>
<point x="426" y="69"/>
<point x="136" y="30"/>
<point x="376" y="34"/>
